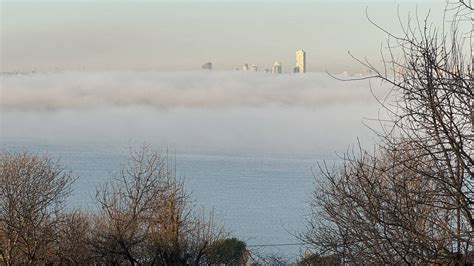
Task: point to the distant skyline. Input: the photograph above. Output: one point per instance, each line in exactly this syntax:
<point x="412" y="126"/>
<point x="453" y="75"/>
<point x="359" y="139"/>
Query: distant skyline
<point x="182" y="35"/>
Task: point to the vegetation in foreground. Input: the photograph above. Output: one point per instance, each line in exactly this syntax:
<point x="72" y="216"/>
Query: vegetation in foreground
<point x="143" y="217"/>
<point x="411" y="199"/>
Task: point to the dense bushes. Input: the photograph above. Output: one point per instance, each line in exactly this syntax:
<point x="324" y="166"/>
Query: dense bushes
<point x="228" y="251"/>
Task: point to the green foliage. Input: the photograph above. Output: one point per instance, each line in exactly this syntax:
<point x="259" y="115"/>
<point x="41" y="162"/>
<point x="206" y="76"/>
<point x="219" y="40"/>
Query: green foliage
<point x="228" y="251"/>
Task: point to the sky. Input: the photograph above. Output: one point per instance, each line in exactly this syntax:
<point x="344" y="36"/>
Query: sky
<point x="181" y="35"/>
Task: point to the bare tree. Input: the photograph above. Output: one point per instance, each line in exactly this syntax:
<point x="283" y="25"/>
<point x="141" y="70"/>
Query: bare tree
<point x="410" y="201"/>
<point x="127" y="203"/>
<point x="203" y="230"/>
<point x="145" y="216"/>
<point x="376" y="210"/>
<point x="32" y="193"/>
<point x="72" y="246"/>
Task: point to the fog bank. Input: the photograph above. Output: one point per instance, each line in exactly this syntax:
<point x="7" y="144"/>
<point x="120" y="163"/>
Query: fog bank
<point x="168" y="90"/>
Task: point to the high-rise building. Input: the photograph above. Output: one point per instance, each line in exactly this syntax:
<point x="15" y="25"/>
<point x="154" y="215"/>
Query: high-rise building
<point x="245" y="67"/>
<point x="276" y="68"/>
<point x="207" y="66"/>
<point x="301" y="61"/>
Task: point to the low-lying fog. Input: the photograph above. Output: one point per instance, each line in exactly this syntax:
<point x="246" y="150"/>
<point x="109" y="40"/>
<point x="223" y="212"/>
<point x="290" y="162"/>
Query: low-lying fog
<point x="216" y="111"/>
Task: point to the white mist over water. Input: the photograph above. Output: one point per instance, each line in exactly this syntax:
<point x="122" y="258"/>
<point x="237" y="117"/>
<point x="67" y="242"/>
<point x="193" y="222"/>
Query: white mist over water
<point x="230" y="111"/>
<point x="84" y="90"/>
<point x="246" y="142"/>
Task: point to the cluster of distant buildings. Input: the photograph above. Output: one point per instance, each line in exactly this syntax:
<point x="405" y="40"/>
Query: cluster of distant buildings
<point x="300" y="65"/>
<point x="276" y="68"/>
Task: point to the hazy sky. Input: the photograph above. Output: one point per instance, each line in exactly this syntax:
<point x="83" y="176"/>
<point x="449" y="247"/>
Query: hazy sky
<point x="181" y="35"/>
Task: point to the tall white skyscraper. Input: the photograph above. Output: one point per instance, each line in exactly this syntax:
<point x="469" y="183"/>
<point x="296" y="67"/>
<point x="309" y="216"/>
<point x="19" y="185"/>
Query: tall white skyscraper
<point x="301" y="61"/>
<point x="276" y="68"/>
